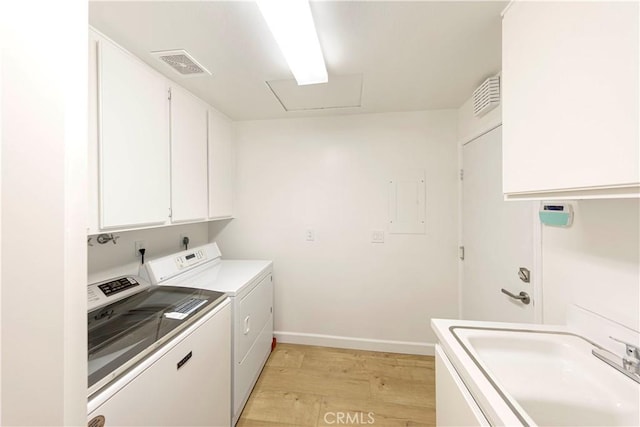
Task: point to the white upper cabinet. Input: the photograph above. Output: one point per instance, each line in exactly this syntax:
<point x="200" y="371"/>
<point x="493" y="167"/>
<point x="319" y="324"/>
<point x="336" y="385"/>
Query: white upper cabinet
<point x="570" y="107"/>
<point x="157" y="154"/>
<point x="189" y="192"/>
<point x="221" y="161"/>
<point x="132" y="147"/>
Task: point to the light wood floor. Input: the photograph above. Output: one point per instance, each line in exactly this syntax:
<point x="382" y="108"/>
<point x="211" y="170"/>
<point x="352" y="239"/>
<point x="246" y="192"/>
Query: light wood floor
<point x="319" y="386"/>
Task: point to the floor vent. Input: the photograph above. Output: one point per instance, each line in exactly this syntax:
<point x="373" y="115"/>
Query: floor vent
<point x="181" y="62"/>
<point x="486" y="97"/>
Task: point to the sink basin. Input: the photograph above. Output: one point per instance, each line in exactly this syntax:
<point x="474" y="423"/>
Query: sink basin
<point x="553" y="377"/>
<point x="538" y="377"/>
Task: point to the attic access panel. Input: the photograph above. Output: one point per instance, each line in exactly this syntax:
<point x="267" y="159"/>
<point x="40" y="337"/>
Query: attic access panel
<point x="339" y="92"/>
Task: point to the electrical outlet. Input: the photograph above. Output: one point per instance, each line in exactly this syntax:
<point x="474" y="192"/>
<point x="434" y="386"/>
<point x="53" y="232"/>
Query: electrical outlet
<point x="310" y="235"/>
<point x="377" y="236"/>
<point x="140" y="244"/>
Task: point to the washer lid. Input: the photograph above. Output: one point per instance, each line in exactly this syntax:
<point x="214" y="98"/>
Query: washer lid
<point x="123" y="333"/>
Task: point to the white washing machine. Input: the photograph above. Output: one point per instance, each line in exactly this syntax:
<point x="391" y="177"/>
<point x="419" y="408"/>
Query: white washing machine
<point x="249" y="285"/>
<point x="150" y="350"/>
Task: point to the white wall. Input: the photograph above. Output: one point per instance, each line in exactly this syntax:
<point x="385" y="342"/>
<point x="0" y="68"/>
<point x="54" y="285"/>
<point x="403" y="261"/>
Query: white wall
<point x="595" y="263"/>
<point x="108" y="260"/>
<point x="331" y="174"/>
<point x="44" y="200"/>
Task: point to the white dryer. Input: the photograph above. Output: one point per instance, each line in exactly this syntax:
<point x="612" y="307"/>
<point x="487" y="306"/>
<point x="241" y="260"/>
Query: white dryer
<point x="249" y="285"/>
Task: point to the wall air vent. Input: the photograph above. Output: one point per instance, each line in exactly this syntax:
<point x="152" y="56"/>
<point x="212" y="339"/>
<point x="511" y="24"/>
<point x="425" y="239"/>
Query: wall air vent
<point x="181" y="62"/>
<point x="487" y="96"/>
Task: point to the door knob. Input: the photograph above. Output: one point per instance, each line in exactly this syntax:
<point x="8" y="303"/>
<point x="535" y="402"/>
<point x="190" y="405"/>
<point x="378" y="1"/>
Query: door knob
<point x="522" y="296"/>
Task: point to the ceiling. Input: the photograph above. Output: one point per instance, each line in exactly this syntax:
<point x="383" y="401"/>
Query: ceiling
<point x="413" y="55"/>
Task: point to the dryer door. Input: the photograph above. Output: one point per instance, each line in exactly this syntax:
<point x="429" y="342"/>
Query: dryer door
<point x="254" y="312"/>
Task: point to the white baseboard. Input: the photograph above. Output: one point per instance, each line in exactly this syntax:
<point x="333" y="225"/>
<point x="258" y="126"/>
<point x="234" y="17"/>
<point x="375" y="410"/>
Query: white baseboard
<point x="405" y="347"/>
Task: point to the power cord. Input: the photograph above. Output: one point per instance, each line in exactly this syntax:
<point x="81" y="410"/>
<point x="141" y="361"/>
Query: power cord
<point x="142" y="251"/>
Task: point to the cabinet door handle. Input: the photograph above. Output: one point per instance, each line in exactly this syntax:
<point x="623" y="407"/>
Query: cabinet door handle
<point x="247" y="325"/>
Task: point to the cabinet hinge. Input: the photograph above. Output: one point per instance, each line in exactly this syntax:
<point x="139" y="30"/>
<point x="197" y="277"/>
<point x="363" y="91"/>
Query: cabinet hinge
<point x="170" y="213"/>
<point x="169" y="96"/>
<point x="461" y="174"/>
<point x="461" y="253"/>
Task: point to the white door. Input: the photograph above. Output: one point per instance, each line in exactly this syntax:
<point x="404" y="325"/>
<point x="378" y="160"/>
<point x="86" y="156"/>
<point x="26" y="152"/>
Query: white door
<point x="497" y="238"/>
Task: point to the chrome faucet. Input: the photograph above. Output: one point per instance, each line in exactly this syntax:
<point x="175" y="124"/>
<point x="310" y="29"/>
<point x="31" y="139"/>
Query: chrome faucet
<point x="629" y="364"/>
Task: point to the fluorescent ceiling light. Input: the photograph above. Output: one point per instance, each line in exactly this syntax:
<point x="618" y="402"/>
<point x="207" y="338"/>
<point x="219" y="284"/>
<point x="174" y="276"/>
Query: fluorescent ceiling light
<point x="291" y="24"/>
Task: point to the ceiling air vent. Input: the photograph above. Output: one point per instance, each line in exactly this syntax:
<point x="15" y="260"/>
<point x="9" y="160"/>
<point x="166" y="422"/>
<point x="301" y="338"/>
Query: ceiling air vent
<point x="486" y="97"/>
<point x="181" y="62"/>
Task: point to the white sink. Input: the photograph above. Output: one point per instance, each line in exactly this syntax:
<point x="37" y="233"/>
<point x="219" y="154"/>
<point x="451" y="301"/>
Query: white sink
<point x="538" y="377"/>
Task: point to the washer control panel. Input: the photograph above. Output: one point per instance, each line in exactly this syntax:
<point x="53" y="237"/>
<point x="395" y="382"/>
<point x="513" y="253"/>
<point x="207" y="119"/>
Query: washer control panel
<point x="190" y="258"/>
<point x="119" y="285"/>
<point x="162" y="269"/>
<point x="106" y="292"/>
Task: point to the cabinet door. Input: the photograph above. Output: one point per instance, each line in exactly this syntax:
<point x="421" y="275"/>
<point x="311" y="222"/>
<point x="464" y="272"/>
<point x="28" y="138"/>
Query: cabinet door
<point x="221" y="166"/>
<point x="570" y="85"/>
<point x="454" y="404"/>
<point x="189" y="198"/>
<point x="133" y="141"/>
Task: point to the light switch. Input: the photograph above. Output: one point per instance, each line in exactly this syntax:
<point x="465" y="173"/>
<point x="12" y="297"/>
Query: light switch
<point x="377" y="236"/>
